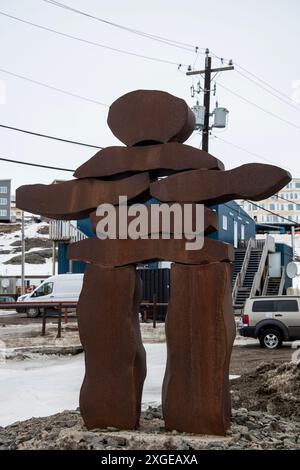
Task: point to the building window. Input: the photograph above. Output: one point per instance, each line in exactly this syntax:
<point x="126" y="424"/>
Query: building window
<point x="3" y="201"/>
<point x="296" y="195"/>
<point x="3" y="213"/>
<point x="272" y="207"/>
<point x="3" y="189"/>
<point x="224" y="222"/>
<point x="290" y="207"/>
<point x="297" y="185"/>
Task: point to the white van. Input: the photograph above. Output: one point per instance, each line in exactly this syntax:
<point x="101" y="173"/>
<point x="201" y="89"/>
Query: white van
<point x="59" y="288"/>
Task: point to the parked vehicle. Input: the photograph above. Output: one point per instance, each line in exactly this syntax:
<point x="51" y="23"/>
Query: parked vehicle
<point x="6" y="298"/>
<point x="272" y="320"/>
<point x="59" y="288"/>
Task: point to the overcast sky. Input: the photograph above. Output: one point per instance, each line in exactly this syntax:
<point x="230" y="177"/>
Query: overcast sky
<point x="261" y="35"/>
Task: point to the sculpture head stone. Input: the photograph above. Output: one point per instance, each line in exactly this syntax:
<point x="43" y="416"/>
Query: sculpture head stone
<point x="144" y="117"/>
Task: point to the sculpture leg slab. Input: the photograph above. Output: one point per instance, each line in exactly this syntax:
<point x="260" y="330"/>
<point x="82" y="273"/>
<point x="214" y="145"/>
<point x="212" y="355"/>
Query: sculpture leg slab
<point x="115" y="358"/>
<point x="200" y="330"/>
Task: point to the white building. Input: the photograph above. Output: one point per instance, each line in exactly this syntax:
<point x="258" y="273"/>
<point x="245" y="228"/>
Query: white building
<point x="286" y="205"/>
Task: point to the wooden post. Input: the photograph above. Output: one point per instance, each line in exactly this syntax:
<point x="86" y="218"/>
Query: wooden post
<point x="44" y="322"/>
<point x="154" y="311"/>
<point x="65" y="315"/>
<point x="145" y="315"/>
<point x="59" y="324"/>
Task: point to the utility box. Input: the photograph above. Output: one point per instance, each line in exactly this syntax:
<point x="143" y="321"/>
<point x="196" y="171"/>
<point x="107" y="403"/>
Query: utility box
<point x="220" y="117"/>
<point x="199" y="112"/>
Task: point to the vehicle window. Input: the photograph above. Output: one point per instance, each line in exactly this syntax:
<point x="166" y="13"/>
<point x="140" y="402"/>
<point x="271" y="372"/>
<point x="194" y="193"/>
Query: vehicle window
<point x="287" y="306"/>
<point x="263" y="306"/>
<point x="45" y="289"/>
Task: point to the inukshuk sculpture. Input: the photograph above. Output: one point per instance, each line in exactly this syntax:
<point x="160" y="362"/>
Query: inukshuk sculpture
<point x="200" y="327"/>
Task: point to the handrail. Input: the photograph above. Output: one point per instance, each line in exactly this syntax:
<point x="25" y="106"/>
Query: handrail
<point x="268" y="245"/>
<point x="282" y="281"/>
<point x="265" y="288"/>
<point x="241" y="275"/>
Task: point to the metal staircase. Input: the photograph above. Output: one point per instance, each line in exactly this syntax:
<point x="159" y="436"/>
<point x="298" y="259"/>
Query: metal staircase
<point x="274" y="285"/>
<point x="239" y="256"/>
<point x="248" y="281"/>
<point x="244" y="291"/>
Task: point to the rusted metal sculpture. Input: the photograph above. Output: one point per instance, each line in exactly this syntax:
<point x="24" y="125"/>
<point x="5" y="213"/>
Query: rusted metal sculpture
<point x="200" y="327"/>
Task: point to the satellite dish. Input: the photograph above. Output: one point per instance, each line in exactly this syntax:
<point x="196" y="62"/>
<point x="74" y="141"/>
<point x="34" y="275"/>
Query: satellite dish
<point x="5" y="283"/>
<point x="293" y="269"/>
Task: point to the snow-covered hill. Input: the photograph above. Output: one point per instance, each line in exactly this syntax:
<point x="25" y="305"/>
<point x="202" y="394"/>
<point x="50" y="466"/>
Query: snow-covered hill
<point x="38" y="255"/>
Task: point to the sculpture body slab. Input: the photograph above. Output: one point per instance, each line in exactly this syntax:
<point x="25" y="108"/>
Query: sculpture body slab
<point x="200" y="330"/>
<point x="75" y="199"/>
<point x="115" y="358"/>
<point x="164" y="157"/>
<point x="211" y="222"/>
<point x="123" y="252"/>
<point x="254" y="181"/>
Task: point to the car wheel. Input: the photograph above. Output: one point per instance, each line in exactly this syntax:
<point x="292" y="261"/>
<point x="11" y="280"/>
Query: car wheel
<point x="270" y="339"/>
<point x="32" y="312"/>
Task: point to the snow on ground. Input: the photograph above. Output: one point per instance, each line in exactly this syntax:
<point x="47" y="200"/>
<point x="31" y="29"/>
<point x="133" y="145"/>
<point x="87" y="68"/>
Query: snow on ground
<point x="46" y="385"/>
<point x="31" y="231"/>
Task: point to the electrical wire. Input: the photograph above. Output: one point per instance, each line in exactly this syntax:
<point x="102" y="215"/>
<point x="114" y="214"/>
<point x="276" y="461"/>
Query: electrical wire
<point x="86" y="41"/>
<point x="259" y="107"/>
<point x="287" y="200"/>
<point x="273" y="213"/>
<point x="161" y="39"/>
<point x="48" y="167"/>
<point x="53" y="87"/>
<point x="253" y="153"/>
<point x="294" y="106"/>
<point x="38" y="134"/>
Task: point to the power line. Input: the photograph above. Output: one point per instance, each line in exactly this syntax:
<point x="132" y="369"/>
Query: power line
<point x="287" y="200"/>
<point x="253" y="153"/>
<point x="259" y="107"/>
<point x="265" y="83"/>
<point x="294" y="106"/>
<point x="34" y="164"/>
<point x="273" y="213"/>
<point x="86" y="41"/>
<point x="258" y="79"/>
<point x="52" y="87"/>
<point x="161" y="39"/>
<point x="50" y="137"/>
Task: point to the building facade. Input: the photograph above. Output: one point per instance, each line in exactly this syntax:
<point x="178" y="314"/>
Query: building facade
<point x="285" y="205"/>
<point x="5" y="194"/>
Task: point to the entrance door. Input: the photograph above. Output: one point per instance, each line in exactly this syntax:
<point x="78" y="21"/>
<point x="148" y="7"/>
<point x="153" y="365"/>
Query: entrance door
<point x="235" y="234"/>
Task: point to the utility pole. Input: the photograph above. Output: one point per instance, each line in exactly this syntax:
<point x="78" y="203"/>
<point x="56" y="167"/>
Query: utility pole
<point x="206" y="95"/>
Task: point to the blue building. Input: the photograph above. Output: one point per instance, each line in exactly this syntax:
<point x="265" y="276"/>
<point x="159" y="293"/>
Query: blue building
<point x="234" y="224"/>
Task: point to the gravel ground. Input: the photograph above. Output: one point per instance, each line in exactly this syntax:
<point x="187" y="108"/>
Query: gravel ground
<point x="249" y="430"/>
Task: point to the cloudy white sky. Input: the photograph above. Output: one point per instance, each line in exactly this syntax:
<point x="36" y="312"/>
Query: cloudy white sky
<point x="261" y="35"/>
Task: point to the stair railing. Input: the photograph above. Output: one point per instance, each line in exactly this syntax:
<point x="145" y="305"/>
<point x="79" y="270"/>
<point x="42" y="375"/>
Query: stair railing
<point x="241" y="275"/>
<point x="267" y="245"/>
<point x="282" y="281"/>
<point x="266" y="283"/>
<point x="64" y="231"/>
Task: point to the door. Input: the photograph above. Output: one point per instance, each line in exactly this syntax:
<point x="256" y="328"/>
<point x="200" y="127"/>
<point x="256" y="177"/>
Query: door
<point x="242" y="232"/>
<point x="288" y="313"/>
<point x="235" y="234"/>
<point x="44" y="293"/>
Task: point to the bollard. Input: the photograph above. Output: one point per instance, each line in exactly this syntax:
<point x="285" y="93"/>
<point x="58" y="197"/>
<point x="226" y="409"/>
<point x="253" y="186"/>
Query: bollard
<point x="44" y="322"/>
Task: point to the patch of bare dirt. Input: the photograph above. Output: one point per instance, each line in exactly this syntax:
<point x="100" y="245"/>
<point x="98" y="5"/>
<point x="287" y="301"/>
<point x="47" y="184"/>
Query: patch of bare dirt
<point x="271" y="388"/>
